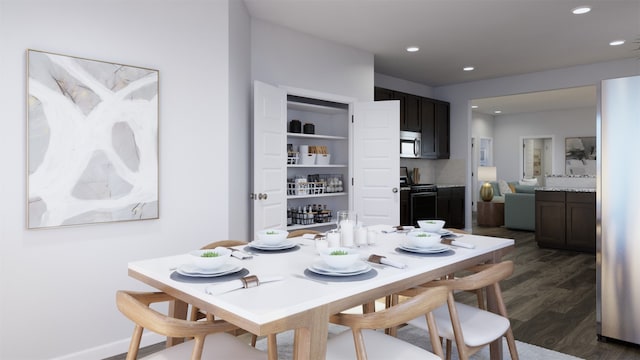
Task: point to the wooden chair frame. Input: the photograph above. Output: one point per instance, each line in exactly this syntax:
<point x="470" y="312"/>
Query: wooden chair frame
<point x="135" y="306"/>
<point x="196" y="314"/>
<point x="420" y="305"/>
<point x="486" y="276"/>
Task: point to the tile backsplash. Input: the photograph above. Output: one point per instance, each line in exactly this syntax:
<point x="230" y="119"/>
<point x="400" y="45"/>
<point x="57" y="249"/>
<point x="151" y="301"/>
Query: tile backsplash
<point x="443" y="172"/>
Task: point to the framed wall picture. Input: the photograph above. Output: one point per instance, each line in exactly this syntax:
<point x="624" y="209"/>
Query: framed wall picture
<point x="580" y="155"/>
<point x="92" y="147"/>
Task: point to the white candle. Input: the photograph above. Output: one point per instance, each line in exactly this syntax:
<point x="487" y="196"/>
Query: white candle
<point x="361" y="236"/>
<point x="322" y="244"/>
<point x="346" y="232"/>
<point x="333" y="238"/>
<point x="371" y="237"/>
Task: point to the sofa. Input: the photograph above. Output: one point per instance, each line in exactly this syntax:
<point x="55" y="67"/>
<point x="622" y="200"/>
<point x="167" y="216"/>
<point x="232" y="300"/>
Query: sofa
<point x="519" y="205"/>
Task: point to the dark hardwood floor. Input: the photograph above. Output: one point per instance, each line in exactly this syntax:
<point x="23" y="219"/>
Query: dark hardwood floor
<point x="551" y="299"/>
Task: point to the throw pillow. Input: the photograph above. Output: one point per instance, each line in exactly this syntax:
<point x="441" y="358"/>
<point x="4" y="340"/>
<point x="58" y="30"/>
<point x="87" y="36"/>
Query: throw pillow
<point x="504" y="187"/>
<point x="512" y="186"/>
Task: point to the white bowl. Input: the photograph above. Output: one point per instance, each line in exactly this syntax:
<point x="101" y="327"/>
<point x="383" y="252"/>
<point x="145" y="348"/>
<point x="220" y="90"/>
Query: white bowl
<point x="204" y="262"/>
<point x="431" y="225"/>
<point x="423" y="239"/>
<point x="347" y="257"/>
<point x="272" y="236"/>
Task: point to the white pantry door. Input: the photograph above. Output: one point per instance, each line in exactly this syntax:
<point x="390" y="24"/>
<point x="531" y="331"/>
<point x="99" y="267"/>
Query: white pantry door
<point x="269" y="157"/>
<point x="376" y="156"/>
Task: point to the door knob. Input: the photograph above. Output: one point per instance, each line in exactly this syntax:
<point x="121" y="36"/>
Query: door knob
<point x="395" y="190"/>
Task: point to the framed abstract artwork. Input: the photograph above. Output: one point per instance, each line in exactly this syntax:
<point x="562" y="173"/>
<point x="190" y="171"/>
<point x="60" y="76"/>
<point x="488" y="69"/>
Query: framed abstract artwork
<point x="580" y="155"/>
<point x="92" y="147"/>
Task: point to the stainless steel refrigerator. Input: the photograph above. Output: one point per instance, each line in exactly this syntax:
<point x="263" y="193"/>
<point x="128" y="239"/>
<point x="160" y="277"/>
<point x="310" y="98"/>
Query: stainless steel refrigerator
<point x="618" y="210"/>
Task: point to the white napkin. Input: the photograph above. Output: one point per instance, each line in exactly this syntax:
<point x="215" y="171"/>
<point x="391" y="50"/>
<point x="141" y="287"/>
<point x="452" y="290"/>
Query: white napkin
<point x="240" y="255"/>
<point x="227" y="286"/>
<point x="309" y="236"/>
<point x="393" y="263"/>
<point x="386" y="261"/>
<point x="462" y="244"/>
<point x="381" y="228"/>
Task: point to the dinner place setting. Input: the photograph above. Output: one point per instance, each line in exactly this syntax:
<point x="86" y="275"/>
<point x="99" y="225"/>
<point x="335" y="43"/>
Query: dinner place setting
<point x="271" y="241"/>
<point x="208" y="266"/>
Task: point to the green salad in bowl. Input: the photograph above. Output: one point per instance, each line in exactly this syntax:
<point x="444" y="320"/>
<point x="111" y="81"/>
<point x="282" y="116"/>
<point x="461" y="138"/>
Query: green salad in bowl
<point x="210" y="259"/>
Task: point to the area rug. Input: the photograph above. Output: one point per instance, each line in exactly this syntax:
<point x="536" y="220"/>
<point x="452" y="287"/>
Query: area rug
<point x="419" y="338"/>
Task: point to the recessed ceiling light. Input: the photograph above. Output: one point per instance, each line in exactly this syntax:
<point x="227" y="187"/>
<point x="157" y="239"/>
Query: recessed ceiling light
<point x="616" y="42"/>
<point x="498" y="112"/>
<point x="468" y="68"/>
<point x="474" y="106"/>
<point x="412" y="48"/>
<point x="581" y="10"/>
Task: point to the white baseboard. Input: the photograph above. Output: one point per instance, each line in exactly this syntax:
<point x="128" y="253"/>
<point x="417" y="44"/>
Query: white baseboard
<point x="112" y="349"/>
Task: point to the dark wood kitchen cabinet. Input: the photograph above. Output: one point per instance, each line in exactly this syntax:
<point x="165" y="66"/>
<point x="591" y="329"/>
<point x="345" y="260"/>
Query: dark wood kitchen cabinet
<point x="405" y="211"/>
<point x="412" y="121"/>
<point x="566" y="220"/>
<point x="435" y="129"/>
<point x="409" y="107"/>
<point x="450" y="206"/>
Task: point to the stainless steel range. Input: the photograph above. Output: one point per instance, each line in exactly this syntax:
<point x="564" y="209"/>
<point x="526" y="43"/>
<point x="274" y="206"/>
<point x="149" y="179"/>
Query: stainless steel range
<point x="422" y="202"/>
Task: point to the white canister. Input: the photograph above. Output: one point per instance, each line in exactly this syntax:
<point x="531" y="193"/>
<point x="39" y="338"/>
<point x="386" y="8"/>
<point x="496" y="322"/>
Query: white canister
<point x="361" y="236"/>
<point x="333" y="238"/>
<point x="303" y="149"/>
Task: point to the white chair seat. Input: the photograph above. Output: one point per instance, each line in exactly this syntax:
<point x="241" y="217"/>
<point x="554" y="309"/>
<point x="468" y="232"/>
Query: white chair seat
<point x="378" y="345"/>
<point x="479" y="327"/>
<point x="219" y="346"/>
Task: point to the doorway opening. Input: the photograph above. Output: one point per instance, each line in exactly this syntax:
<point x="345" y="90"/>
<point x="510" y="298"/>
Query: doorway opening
<point x="536" y="157"/>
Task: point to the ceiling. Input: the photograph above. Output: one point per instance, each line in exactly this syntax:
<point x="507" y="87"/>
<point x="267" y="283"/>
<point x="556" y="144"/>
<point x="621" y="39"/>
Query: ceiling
<point x="497" y="37"/>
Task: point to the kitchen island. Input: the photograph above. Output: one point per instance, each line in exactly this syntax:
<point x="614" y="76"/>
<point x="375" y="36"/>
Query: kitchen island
<point x="566" y="218"/>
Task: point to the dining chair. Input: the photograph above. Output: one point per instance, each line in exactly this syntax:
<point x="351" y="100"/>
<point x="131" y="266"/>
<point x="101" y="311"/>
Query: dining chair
<point x="364" y="342"/>
<point x="211" y="340"/>
<point x="472" y="327"/>
<point x="197" y="314"/>
<point x="297" y="233"/>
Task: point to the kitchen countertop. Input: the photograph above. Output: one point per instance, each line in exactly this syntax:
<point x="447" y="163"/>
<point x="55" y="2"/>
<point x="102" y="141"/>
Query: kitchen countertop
<point x="442" y="186"/>
<point x="565" y="189"/>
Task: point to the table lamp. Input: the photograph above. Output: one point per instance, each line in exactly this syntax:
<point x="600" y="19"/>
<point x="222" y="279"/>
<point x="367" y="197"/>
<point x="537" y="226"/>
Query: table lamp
<point x="486" y="174"/>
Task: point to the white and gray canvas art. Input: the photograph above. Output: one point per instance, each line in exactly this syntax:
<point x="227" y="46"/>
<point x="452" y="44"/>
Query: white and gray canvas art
<point x="92" y="141"/>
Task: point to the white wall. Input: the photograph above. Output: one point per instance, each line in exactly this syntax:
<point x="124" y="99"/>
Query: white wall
<point x="239" y="120"/>
<point x="510" y="129"/>
<point x="283" y="57"/>
<point x="460" y="95"/>
<point x="58" y="285"/>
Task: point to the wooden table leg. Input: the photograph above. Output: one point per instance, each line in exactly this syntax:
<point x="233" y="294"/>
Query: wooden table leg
<point x="177" y="309"/>
<point x="310" y="341"/>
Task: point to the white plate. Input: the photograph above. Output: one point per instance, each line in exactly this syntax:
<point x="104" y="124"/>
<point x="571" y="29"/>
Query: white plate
<point x="282" y="246"/>
<point x="192" y="270"/>
<point x="322" y="268"/>
<point x="427" y="250"/>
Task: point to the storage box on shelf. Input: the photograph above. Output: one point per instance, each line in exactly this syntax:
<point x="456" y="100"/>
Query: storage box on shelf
<point x="308" y="215"/>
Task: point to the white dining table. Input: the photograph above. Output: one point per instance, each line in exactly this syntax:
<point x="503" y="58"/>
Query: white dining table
<point x="305" y="305"/>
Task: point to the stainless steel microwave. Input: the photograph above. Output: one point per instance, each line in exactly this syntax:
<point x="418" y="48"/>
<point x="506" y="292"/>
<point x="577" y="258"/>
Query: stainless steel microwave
<point x="410" y="144"/>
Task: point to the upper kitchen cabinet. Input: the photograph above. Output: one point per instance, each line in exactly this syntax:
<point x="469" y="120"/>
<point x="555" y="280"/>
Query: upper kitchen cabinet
<point x="435" y="129"/>
<point x="409" y="107"/>
<point x="429" y="117"/>
<point x="315" y="154"/>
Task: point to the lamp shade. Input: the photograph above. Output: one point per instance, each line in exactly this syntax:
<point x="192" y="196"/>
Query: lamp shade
<point x="487" y="173"/>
